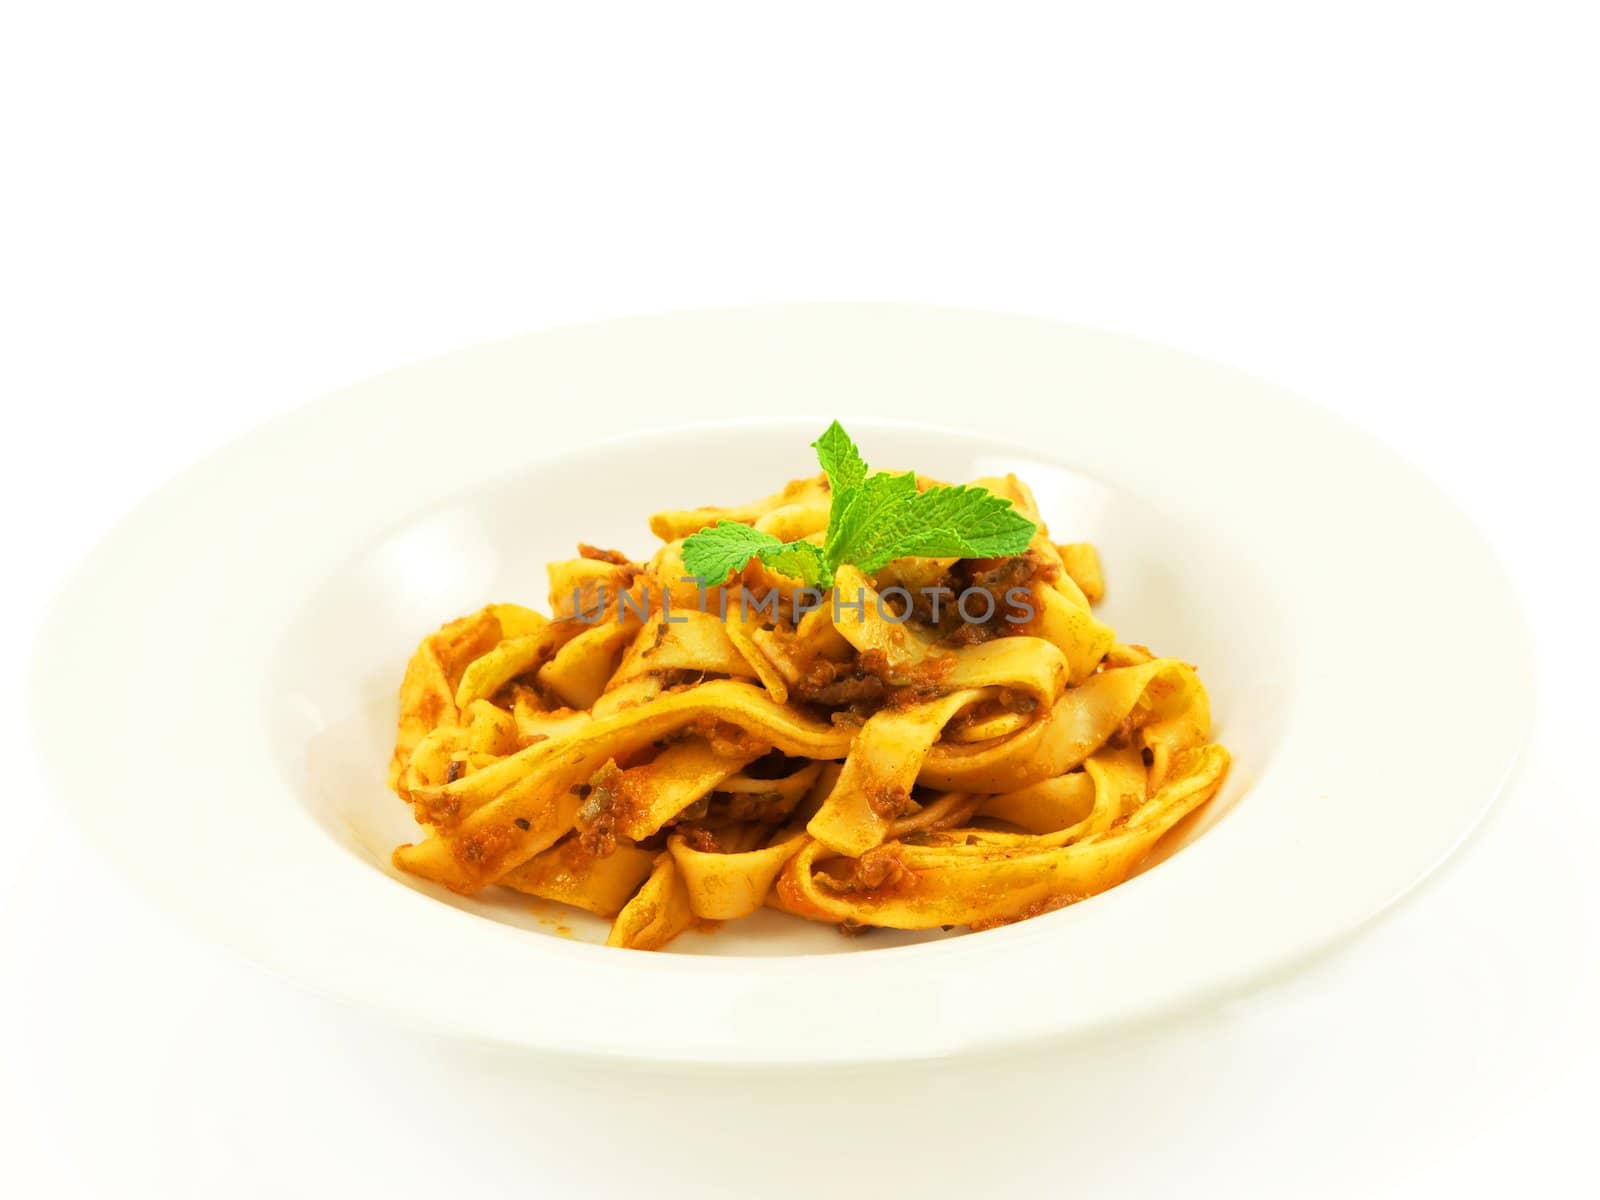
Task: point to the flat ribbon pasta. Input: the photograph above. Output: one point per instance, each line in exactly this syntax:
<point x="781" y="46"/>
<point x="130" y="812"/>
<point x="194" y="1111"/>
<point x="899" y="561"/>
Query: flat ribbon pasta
<point x="660" y="755"/>
<point x="965" y="877"/>
<point x="659" y="913"/>
<point x="573" y="874"/>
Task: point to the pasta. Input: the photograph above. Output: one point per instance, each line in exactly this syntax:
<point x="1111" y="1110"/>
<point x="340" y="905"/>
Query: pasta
<point x="668" y="754"/>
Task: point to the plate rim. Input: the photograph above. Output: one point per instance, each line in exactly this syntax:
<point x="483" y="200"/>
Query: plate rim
<point x="51" y="652"/>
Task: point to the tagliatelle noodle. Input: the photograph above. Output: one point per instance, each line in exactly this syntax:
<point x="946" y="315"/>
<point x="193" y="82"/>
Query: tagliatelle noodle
<point x="657" y="754"/>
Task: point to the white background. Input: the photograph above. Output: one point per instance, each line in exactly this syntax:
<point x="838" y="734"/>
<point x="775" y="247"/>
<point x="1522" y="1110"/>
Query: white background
<point x="214" y="212"/>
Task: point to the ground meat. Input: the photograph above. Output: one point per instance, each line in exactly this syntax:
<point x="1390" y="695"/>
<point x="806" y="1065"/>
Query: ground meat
<point x="971" y="633"/>
<point x="876" y="663"/>
<point x="913" y="684"/>
<point x="818" y="672"/>
<point x="855" y="688"/>
<point x="728" y="739"/>
<point x="482" y="850"/>
<point x="698" y="837"/>
<point x="1015" y="700"/>
<point x="889" y="801"/>
<point x="597" y="817"/>
<point x="997" y="576"/>
<point x="442" y="809"/>
<point x="870" y="683"/>
<point x="616" y="557"/>
<point x="877" y="871"/>
<point x="760" y="807"/>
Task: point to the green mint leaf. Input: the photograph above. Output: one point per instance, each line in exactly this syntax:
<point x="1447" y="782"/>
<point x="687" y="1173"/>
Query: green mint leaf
<point x="942" y="522"/>
<point x="798" y="560"/>
<point x="846" y="471"/>
<point x="715" y="553"/>
<point x="873" y="519"/>
<point x="984" y="524"/>
<point x="878" y="500"/>
<point x="840" y="459"/>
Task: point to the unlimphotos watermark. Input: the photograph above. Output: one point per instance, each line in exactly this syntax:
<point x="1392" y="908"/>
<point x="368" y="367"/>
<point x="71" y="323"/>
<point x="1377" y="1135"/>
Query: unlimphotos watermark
<point x="974" y="605"/>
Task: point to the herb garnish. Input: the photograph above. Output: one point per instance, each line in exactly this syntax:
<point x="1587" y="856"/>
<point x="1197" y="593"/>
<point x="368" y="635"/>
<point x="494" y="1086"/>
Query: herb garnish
<point x="873" y="519"/>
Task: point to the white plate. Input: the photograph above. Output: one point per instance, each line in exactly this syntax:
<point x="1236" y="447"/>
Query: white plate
<point x="239" y="641"/>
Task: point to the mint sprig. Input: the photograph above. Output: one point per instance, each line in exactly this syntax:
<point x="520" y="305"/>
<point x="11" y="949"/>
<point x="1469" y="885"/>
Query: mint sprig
<point x="873" y="519"/>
